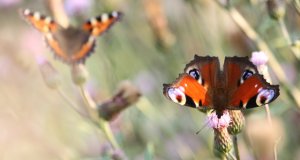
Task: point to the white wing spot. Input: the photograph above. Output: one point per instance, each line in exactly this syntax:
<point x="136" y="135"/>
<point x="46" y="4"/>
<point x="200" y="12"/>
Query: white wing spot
<point x="115" y="14"/>
<point x="37" y="15"/>
<point x="93" y="21"/>
<point x="104" y="17"/>
<point x="181" y="88"/>
<point x="255" y="86"/>
<point x="26" y="12"/>
<point x="176" y="95"/>
<point x="48" y="20"/>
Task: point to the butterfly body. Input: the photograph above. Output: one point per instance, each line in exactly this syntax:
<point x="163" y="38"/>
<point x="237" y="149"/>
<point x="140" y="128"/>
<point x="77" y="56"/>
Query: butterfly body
<point x="205" y="86"/>
<point x="71" y="45"/>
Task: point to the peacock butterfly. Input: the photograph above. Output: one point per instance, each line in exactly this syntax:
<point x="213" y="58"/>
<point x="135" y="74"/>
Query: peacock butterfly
<point x="71" y="45"/>
<point x="204" y="85"/>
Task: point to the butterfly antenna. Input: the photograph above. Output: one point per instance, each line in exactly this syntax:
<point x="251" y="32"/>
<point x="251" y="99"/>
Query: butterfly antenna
<point x="202" y="128"/>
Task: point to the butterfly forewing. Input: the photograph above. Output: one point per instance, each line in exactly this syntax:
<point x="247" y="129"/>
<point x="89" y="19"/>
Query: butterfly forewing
<point x="208" y="68"/>
<point x="98" y="25"/>
<point x="246" y="88"/>
<point x="42" y="23"/>
<point x="234" y="69"/>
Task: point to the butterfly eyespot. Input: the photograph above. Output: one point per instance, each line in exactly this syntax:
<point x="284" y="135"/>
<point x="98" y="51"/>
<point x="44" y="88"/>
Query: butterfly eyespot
<point x="247" y="73"/>
<point x="176" y="95"/>
<point x="196" y="75"/>
<point x="265" y="96"/>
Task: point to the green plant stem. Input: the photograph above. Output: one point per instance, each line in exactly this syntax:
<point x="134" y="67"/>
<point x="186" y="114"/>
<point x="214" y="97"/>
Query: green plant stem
<point x="68" y="100"/>
<point x="236" y="147"/>
<point x="262" y="45"/>
<point x="90" y="106"/>
<point x="288" y="38"/>
<point x="268" y="114"/>
<point x="109" y="134"/>
<point x="250" y="32"/>
<point x="74" y="107"/>
<point x="229" y="156"/>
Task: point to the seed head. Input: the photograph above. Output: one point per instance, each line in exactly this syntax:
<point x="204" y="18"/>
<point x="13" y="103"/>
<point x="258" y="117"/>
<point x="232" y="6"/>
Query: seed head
<point x="79" y="74"/>
<point x="50" y="75"/>
<point x="237" y="122"/>
<point x="222" y="141"/>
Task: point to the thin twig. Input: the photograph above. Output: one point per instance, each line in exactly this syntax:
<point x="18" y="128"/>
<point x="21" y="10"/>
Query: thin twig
<point x="109" y="134"/>
<point x="68" y="100"/>
<point x="74" y="107"/>
<point x="275" y="148"/>
<point x="236" y="147"/>
<point x="231" y="156"/>
<point x="57" y="8"/>
<point x="268" y="114"/>
<point x="288" y="38"/>
<point x="104" y="125"/>
<point x="90" y="105"/>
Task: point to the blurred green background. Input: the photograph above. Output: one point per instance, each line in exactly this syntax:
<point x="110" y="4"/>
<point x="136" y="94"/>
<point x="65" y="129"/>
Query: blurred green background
<point x="149" y="46"/>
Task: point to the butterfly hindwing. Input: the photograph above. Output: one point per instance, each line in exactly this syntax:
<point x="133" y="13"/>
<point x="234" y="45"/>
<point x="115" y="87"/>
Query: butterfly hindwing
<point x="193" y="87"/>
<point x="246" y="88"/>
<point x="254" y="92"/>
<point x="186" y="90"/>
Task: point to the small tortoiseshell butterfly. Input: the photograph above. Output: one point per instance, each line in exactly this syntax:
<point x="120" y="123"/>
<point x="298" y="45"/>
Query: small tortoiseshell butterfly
<point x="71" y="45"/>
<point x="204" y="85"/>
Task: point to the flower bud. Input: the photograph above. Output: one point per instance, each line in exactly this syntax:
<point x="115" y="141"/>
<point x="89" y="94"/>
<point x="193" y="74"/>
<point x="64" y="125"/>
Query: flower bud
<point x="118" y="154"/>
<point x="260" y="59"/>
<point x="107" y="152"/>
<point x="224" y="3"/>
<point x="222" y="141"/>
<point x="50" y="75"/>
<point x="126" y="95"/>
<point x="296" y="44"/>
<point x="79" y="74"/>
<point x="237" y="122"/>
<point x="276" y="9"/>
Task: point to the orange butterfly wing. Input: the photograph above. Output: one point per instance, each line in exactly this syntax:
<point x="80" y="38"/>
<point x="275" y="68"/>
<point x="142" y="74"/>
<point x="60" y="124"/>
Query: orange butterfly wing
<point x="186" y="91"/>
<point x="98" y="25"/>
<point x="246" y="87"/>
<point x="194" y="87"/>
<point x="71" y="45"/>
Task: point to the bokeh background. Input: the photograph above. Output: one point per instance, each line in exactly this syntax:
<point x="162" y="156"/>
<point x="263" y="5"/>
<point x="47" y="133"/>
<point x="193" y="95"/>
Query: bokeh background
<point x="149" y="46"/>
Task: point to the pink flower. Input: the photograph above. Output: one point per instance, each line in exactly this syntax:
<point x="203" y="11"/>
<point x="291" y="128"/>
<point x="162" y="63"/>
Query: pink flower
<point x="77" y="6"/>
<point x="259" y="58"/>
<point x="214" y="122"/>
<point x="8" y="3"/>
<point x="32" y="42"/>
<point x="41" y="59"/>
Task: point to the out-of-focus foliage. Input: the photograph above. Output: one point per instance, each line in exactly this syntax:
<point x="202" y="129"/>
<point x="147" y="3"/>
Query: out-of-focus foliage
<point x="149" y="46"/>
